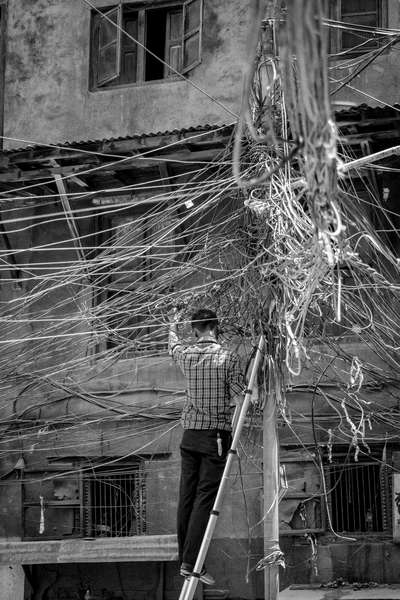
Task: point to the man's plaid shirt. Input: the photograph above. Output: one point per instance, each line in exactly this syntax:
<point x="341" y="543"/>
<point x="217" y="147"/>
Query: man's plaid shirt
<point x="213" y="378"/>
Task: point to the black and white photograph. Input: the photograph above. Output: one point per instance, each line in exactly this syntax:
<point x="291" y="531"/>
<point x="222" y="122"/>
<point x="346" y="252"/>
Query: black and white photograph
<point x="199" y="300"/>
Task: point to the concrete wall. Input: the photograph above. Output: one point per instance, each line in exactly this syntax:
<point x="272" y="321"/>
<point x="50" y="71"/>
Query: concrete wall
<point x="235" y="549"/>
<point x="238" y="541"/>
<point x="47" y="86"/>
<point x="12" y="584"/>
<point x="151" y="581"/>
<point x="39" y="302"/>
<point x="47" y="97"/>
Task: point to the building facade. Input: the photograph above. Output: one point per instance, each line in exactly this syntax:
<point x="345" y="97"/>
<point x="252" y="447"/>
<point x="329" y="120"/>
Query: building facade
<point x="112" y="115"/>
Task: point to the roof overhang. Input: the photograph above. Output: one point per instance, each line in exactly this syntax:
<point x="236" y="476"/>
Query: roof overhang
<point x="78" y="161"/>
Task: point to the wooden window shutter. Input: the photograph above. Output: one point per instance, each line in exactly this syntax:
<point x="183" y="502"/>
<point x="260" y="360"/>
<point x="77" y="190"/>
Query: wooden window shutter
<point x="129" y="48"/>
<point x="173" y="43"/>
<point x="109" y="46"/>
<point x="192" y="31"/>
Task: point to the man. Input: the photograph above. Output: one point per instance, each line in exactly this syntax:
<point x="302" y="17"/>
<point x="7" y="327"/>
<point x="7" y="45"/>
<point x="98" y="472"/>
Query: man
<point x="214" y="383"/>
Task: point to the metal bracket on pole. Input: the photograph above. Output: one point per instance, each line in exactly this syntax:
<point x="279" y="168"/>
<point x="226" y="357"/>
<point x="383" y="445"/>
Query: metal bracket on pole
<point x="189" y="587"/>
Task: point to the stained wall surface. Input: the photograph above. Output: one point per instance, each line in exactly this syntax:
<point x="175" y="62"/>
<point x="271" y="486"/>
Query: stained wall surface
<point x="47" y="88"/>
<point x="47" y="96"/>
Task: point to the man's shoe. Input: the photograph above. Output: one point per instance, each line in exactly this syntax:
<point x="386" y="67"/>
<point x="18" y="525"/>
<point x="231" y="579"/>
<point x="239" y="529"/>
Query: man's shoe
<point x="206" y="578"/>
<point x="186" y="570"/>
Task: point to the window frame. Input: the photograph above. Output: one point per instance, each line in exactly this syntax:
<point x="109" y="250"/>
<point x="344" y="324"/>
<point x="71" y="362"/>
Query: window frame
<point x="46" y="473"/>
<point x="82" y="510"/>
<point x="300" y="456"/>
<point x="137" y="475"/>
<point x="335" y="41"/>
<point x="186" y="37"/>
<point x="117" y="42"/>
<point x="141" y="8"/>
<point x="117" y="283"/>
<point x="385" y="489"/>
<point x="310" y="500"/>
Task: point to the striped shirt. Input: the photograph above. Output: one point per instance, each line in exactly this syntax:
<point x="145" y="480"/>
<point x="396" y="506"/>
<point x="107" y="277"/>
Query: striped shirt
<point x="213" y="377"/>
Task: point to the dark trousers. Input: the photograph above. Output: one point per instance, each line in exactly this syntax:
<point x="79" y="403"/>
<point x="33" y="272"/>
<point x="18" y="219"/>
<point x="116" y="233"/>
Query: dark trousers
<point x="201" y="472"/>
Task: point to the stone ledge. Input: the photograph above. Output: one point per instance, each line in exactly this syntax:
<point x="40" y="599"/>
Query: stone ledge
<point x="129" y="549"/>
<point x="346" y="592"/>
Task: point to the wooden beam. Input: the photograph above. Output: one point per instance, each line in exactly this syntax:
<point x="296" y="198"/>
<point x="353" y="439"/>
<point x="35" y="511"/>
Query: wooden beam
<point x="158" y="142"/>
<point x="368" y="122"/>
<point x="156" y="160"/>
<point x="14" y="269"/>
<point x="370" y="158"/>
<point x="22" y="159"/>
<point x="129" y="549"/>
<point x="16" y="175"/>
<point x="69" y="216"/>
<point x="354" y="139"/>
<point x="134" y="162"/>
<point x="92" y="151"/>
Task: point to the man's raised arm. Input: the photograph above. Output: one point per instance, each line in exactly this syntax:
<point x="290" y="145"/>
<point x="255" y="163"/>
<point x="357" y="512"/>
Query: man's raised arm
<point x="237" y="381"/>
<point x="174" y="344"/>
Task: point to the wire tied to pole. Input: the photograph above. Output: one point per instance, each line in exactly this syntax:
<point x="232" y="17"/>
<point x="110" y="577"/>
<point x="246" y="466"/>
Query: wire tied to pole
<point x="275" y="558"/>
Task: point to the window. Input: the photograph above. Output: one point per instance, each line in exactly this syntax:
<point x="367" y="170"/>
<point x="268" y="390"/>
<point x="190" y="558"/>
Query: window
<point x="300" y="509"/>
<point x="359" y="493"/>
<point x="128" y="41"/>
<point x="84" y="502"/>
<point x="358" y="18"/>
<point x="138" y="255"/>
<point x="114" y="503"/>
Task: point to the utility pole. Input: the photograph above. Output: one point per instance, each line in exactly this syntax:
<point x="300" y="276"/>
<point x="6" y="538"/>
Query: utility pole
<point x="271" y="493"/>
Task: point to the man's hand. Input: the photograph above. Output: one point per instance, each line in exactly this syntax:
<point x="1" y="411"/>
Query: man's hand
<point x="175" y="316"/>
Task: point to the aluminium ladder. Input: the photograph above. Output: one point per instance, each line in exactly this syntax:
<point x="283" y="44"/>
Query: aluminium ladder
<point x="190" y="584"/>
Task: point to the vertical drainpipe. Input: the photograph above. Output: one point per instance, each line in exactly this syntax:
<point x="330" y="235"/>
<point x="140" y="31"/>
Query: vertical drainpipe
<point x="3" y="47"/>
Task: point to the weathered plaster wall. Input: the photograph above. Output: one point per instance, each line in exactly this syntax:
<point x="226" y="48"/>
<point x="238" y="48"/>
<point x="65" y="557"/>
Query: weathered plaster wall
<point x="12" y="582"/>
<point x="47" y="88"/>
<point x="47" y="97"/>
<point x="377" y="85"/>
<point x="234" y="549"/>
<point x="160" y="448"/>
<point x="363" y="561"/>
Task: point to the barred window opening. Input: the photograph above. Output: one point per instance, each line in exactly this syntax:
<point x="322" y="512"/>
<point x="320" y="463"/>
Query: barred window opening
<point x="114" y="504"/>
<point x="359" y="494"/>
<point x="83" y="501"/>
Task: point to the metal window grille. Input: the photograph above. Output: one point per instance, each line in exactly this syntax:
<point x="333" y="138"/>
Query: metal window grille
<point x="359" y="496"/>
<point x="114" y="503"/>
